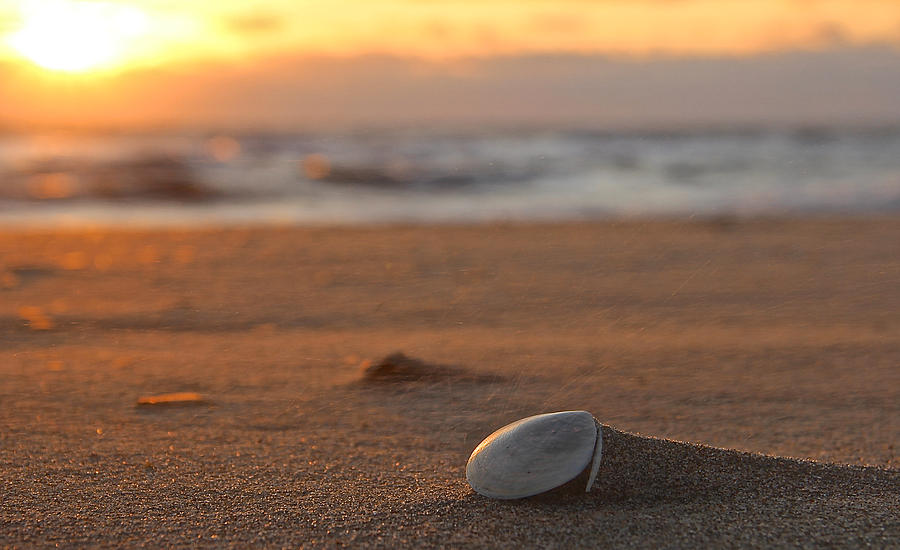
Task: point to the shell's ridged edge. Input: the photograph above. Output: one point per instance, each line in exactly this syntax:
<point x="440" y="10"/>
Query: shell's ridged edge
<point x="598" y="453"/>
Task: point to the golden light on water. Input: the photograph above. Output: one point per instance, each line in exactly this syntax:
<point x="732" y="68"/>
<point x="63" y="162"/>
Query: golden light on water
<point x="223" y="148"/>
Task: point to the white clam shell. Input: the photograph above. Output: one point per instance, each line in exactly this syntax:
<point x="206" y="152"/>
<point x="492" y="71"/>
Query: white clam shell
<point x="536" y="454"/>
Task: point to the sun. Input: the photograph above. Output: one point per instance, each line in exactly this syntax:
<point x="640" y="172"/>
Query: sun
<point x="77" y="36"/>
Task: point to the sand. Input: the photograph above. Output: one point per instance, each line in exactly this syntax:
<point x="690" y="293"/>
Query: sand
<point x="758" y="361"/>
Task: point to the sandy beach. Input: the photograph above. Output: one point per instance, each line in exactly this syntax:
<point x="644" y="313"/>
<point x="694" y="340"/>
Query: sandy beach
<point x="747" y="373"/>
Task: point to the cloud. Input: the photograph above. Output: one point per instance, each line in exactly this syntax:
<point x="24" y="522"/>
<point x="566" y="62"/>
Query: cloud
<point x="840" y="85"/>
<point x="254" y="23"/>
<point x="832" y="34"/>
<point x="559" y="22"/>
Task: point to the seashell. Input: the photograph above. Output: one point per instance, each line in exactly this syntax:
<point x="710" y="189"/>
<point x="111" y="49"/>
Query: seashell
<point x="536" y="454"/>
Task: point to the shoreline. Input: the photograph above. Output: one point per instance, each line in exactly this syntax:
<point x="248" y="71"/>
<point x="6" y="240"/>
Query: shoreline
<point x="190" y="222"/>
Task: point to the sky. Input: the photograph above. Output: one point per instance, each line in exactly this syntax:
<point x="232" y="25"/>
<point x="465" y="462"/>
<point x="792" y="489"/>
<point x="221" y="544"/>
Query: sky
<point x="298" y="63"/>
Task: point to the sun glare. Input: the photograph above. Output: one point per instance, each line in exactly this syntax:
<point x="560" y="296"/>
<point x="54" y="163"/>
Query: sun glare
<point x="74" y="36"/>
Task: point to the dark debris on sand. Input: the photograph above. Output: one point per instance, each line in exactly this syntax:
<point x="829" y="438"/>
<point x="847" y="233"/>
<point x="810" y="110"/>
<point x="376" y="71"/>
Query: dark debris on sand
<point x="398" y="367"/>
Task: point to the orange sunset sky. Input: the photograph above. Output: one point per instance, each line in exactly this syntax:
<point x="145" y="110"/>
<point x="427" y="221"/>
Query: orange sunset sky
<point x="230" y="62"/>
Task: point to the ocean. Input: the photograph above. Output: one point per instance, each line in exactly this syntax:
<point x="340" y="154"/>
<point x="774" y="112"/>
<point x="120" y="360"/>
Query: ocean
<point x="384" y="176"/>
